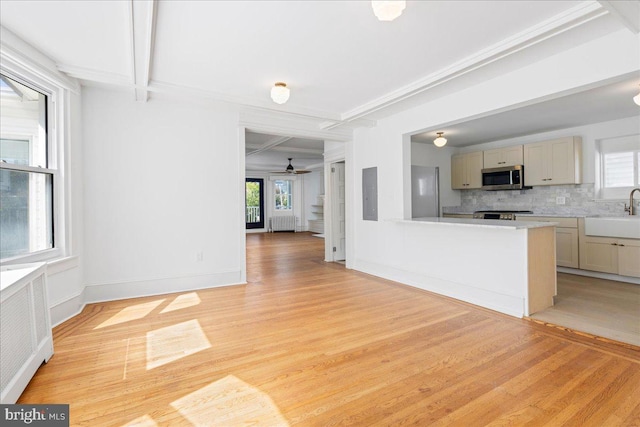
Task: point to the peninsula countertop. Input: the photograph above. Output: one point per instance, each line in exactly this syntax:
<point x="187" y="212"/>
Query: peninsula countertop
<point x="472" y="222"/>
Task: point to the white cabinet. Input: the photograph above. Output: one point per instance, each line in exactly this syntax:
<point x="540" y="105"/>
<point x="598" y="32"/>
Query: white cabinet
<point x="553" y="162"/>
<point x="502" y="157"/>
<point x="25" y="327"/>
<point x="466" y="171"/>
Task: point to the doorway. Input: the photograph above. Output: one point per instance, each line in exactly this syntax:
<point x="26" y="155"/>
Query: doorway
<point x="254" y="202"/>
<point x="338" y="212"/>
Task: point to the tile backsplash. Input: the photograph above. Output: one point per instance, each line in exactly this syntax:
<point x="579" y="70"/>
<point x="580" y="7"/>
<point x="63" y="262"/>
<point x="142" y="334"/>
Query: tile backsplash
<point x="579" y="200"/>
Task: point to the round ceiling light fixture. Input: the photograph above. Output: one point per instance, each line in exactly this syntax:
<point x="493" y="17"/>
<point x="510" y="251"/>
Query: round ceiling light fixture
<point x="388" y="10"/>
<point x="636" y="99"/>
<point x="440" y="141"/>
<point x="280" y="93"/>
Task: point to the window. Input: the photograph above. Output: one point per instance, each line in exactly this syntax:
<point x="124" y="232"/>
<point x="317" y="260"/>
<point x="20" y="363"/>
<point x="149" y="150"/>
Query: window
<point x="619" y="160"/>
<point x="283" y="193"/>
<point x="26" y="180"/>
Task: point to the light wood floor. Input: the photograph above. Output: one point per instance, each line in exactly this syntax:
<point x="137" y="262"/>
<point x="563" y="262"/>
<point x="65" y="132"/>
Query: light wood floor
<point x="599" y="307"/>
<point x="311" y="343"/>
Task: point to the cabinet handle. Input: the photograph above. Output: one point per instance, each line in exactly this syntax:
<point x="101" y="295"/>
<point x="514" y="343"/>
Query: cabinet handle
<point x="621" y="245"/>
<point x="614" y="244"/>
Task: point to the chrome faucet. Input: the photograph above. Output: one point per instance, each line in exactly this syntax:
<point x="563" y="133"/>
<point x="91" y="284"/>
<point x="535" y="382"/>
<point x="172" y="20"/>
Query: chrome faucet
<point x="631" y="209"/>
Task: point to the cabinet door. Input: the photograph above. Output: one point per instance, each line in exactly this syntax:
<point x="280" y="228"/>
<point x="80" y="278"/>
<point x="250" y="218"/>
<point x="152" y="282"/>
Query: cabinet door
<point x="457" y="172"/>
<point x="493" y="158"/>
<point x="628" y="257"/>
<point x="599" y="254"/>
<point x="567" y="247"/>
<point x="535" y="164"/>
<point x="513" y="156"/>
<point x="561" y="162"/>
<point x="474" y="170"/>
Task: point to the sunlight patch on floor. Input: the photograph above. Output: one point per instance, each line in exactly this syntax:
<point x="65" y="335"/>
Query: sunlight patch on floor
<point x="143" y="421"/>
<point x="182" y="301"/>
<point x="133" y="312"/>
<point x="174" y="342"/>
<point x="230" y="402"/>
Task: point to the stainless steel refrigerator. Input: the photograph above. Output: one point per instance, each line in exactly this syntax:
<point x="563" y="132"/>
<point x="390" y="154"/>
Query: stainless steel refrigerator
<point x="425" y="191"/>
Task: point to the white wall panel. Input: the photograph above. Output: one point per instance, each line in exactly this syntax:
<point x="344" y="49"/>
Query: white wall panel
<point x="160" y="198"/>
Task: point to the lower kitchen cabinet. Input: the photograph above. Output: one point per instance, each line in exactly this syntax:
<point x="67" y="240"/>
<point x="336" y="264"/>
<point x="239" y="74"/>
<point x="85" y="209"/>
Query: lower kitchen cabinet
<point x="609" y="254"/>
<point x="567" y="248"/>
<point x="599" y="254"/>
<point x="567" y="253"/>
<point x="629" y="257"/>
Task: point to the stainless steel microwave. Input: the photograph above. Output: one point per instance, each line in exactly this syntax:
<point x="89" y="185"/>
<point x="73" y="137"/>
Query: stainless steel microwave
<point x="505" y="178"/>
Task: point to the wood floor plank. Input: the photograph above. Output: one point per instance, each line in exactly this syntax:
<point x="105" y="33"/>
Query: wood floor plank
<point x="310" y="343"/>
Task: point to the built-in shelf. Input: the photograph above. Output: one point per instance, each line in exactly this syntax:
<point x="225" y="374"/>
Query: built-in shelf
<point x="316" y="225"/>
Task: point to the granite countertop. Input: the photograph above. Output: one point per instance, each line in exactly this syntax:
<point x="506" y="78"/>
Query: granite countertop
<point x="482" y="223"/>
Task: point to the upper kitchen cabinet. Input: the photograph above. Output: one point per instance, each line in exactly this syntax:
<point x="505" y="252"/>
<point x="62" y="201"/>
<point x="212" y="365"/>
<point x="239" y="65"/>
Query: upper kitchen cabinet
<point x="553" y="162"/>
<point x="500" y="157"/>
<point x="466" y="171"/>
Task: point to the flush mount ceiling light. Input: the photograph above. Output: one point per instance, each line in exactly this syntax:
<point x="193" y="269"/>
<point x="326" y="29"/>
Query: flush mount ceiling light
<point x="440" y="141"/>
<point x="388" y="10"/>
<point x="636" y="99"/>
<point x="280" y="93"/>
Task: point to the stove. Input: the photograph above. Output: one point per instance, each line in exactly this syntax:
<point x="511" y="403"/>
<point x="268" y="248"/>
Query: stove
<point x="502" y="214"/>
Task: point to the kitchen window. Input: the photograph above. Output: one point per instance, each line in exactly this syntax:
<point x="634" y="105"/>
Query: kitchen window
<point x="619" y="160"/>
<point x="26" y="178"/>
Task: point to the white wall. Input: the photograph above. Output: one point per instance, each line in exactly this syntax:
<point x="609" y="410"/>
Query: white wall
<point x="161" y="187"/>
<point x="387" y="146"/>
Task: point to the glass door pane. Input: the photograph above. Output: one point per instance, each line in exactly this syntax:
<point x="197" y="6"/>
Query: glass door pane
<point x="254" y="202"/>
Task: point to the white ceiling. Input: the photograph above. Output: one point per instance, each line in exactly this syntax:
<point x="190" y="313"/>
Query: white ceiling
<point x="270" y="152"/>
<point x="344" y="67"/>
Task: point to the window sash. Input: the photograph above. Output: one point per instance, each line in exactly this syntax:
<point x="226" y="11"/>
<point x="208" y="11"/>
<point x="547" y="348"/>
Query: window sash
<point x="38" y="225"/>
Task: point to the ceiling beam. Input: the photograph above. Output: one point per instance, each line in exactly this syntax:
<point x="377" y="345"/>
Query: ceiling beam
<point x="627" y="12"/>
<point x="143" y="30"/>
<point x="273" y="142"/>
<point x="298" y="150"/>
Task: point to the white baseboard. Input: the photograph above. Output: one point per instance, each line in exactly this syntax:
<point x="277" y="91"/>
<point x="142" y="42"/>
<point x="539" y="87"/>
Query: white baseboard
<point x="506" y="304"/>
<point x="142" y="288"/>
<point x="65" y="310"/>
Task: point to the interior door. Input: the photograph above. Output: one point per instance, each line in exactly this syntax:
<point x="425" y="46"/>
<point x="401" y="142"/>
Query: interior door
<point x="338" y="222"/>
<point x="254" y="203"/>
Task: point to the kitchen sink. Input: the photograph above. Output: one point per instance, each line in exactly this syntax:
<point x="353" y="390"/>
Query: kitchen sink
<point x="627" y="227"/>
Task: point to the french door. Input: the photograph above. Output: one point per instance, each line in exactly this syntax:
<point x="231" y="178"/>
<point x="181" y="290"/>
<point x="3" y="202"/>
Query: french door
<point x="254" y="202"/>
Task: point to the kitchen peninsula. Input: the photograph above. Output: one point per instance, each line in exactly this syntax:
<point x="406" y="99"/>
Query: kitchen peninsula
<point x="507" y="266"/>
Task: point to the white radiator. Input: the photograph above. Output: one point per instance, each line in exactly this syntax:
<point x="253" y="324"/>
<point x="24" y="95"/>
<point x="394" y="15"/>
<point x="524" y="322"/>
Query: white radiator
<point x="25" y="327"/>
<point x="283" y="223"/>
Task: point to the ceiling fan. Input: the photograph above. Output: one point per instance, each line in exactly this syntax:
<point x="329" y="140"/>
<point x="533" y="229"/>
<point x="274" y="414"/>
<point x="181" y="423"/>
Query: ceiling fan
<point x="290" y="170"/>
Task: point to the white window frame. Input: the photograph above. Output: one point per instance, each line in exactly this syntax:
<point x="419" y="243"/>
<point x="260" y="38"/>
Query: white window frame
<point x="290" y="196"/>
<point x="630" y="143"/>
<point x="55" y="155"/>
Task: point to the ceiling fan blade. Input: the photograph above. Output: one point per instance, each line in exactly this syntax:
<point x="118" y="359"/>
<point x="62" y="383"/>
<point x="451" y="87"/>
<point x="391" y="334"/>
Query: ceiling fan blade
<point x="300" y="172"/>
